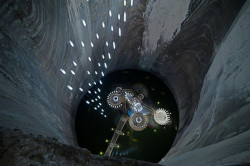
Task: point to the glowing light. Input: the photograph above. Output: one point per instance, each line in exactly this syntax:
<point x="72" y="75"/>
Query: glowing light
<point x="119" y="16"/>
<point x="95" y="83"/>
<point x="72" y="72"/>
<point x="107" y="44"/>
<point x="92" y="45"/>
<point x="92" y="101"/>
<point x="95" y="99"/>
<point x="81" y="89"/>
<point x="125" y="2"/>
<point x="89" y="84"/>
<point x="89" y="59"/>
<point x="131" y="2"/>
<point x="101" y="113"/>
<point x="112" y="28"/>
<point x="105" y="65"/>
<point x="95" y="92"/>
<point x="63" y="71"/>
<point x="96" y="72"/>
<point x="89" y="92"/>
<point x="105" y="116"/>
<point x="125" y="17"/>
<point x="95" y="108"/>
<point x="103" y="57"/>
<point x="97" y="36"/>
<point x="82" y="44"/>
<point x="112" y="129"/>
<point x="99" y="97"/>
<point x="83" y="22"/>
<point x="88" y="72"/>
<point x="100" y="103"/>
<point x="158" y="102"/>
<point x="101" y="153"/>
<point x="87" y="102"/>
<point x="103" y="25"/>
<point x="102" y="110"/>
<point x="109" y="55"/>
<point x="113" y="44"/>
<point x="74" y="63"/>
<point x="120" y="32"/>
<point x="71" y="43"/>
<point x="102" y="74"/>
<point x="70" y="88"/>
<point x="99" y="64"/>
<point x="106" y="140"/>
<point x="110" y="13"/>
<point x="98" y="90"/>
<point x="100" y="82"/>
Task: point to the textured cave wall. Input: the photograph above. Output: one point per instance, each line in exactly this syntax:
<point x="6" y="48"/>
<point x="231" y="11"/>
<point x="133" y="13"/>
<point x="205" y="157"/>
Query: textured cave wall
<point x="175" y="40"/>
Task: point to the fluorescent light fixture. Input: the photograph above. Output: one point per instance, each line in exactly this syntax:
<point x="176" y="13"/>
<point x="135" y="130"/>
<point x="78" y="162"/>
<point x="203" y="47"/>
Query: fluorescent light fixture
<point x="119" y="16"/>
<point x="96" y="72"/>
<point x="101" y="113"/>
<point x="95" y="83"/>
<point x="120" y="32"/>
<point x="95" y="92"/>
<point x="113" y="44"/>
<point x="105" y="116"/>
<point x="89" y="59"/>
<point x="83" y="22"/>
<point x="95" y="108"/>
<point x="99" y="64"/>
<point x="89" y="92"/>
<point x="89" y="84"/>
<point x="125" y="17"/>
<point x="100" y="82"/>
<point x="103" y="25"/>
<point x="107" y="43"/>
<point x="103" y="56"/>
<point x="102" y="110"/>
<point x="97" y="36"/>
<point x="95" y="99"/>
<point x="92" y="101"/>
<point x="74" y="63"/>
<point x="125" y="2"/>
<point x="71" y="43"/>
<point x="109" y="55"/>
<point x="82" y="44"/>
<point x="102" y="74"/>
<point x="92" y="45"/>
<point x="132" y="2"/>
<point x="112" y="28"/>
<point x="105" y="65"/>
<point x="63" y="71"/>
<point x="110" y="13"/>
<point x="70" y="88"/>
<point x="87" y="102"/>
<point x="88" y="72"/>
<point x="98" y="90"/>
<point x="72" y="72"/>
<point x="81" y="89"/>
<point x="99" y="97"/>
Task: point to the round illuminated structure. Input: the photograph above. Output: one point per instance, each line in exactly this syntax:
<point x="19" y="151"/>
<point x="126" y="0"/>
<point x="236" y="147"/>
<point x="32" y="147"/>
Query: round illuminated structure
<point x="138" y="121"/>
<point x="162" y="117"/>
<point x="115" y="99"/>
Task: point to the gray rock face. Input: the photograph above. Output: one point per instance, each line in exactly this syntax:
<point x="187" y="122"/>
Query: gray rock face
<point x="191" y="45"/>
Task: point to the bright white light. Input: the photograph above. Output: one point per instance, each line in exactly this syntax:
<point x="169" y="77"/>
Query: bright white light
<point x="95" y="108"/>
<point x="110" y="13"/>
<point x="112" y="28"/>
<point x="101" y="113"/>
<point x="99" y="64"/>
<point x="105" y="65"/>
<point x="88" y="72"/>
<point x="87" y="102"/>
<point x="102" y="110"/>
<point x="74" y="63"/>
<point x="98" y="90"/>
<point x="107" y="43"/>
<point x="96" y="72"/>
<point x="102" y="74"/>
<point x="95" y="92"/>
<point x="72" y="72"/>
<point x="89" y="59"/>
<point x="105" y="116"/>
<point x="109" y="55"/>
<point x="71" y="43"/>
<point x="82" y="44"/>
<point x="89" y="92"/>
<point x="125" y="17"/>
<point x="89" y="84"/>
<point x="100" y="82"/>
<point x="103" y="56"/>
<point x="125" y="2"/>
<point x="113" y="44"/>
<point x="131" y="2"/>
<point x="103" y="25"/>
<point x="119" y="16"/>
<point x="63" y="71"/>
<point x="120" y="32"/>
<point x="100" y="103"/>
<point x="99" y="97"/>
<point x="70" y="88"/>
<point x="92" y="101"/>
<point x="95" y="99"/>
<point x="92" y="45"/>
<point x="98" y="106"/>
<point x="95" y="83"/>
<point x="81" y="89"/>
<point x="97" y="36"/>
<point x="83" y="22"/>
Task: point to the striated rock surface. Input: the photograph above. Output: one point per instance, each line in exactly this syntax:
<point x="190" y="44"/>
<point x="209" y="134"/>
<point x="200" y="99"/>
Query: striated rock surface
<point x="175" y="40"/>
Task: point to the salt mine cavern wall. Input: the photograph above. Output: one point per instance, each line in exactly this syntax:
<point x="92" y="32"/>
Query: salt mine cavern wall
<point x="200" y="48"/>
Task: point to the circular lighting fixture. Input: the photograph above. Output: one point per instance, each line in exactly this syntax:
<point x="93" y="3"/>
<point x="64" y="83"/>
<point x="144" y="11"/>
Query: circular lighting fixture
<point x="162" y="117"/>
<point x="115" y="99"/>
<point x="138" y="121"/>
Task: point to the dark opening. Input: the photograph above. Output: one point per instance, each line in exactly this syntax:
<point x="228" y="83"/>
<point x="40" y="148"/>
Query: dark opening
<point x="94" y="130"/>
